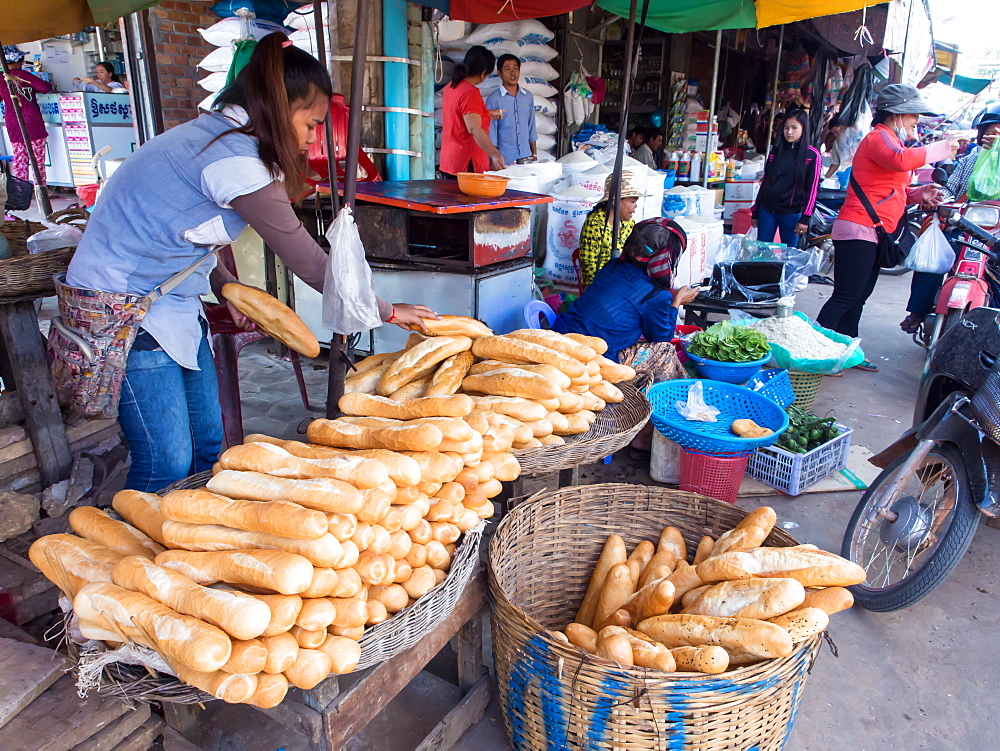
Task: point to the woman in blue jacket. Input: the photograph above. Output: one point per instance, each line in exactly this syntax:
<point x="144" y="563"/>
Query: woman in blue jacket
<point x="630" y="303"/>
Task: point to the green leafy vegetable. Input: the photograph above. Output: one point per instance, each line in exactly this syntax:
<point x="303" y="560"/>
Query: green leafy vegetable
<point x="725" y="342"/>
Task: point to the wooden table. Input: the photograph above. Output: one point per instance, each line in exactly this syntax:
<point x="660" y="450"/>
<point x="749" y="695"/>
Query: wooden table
<point x="330" y="714"/>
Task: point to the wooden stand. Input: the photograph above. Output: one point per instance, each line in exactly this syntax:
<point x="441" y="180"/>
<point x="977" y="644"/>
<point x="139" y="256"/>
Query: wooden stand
<point x="332" y="713"/>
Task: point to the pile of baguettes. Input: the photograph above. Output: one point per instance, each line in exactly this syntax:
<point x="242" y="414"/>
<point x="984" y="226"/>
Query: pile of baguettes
<point x="268" y="576"/>
<point x="735" y="604"/>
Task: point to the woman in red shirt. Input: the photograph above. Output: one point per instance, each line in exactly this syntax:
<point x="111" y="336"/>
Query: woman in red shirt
<point x="26" y="88"/>
<point x="465" y="140"/>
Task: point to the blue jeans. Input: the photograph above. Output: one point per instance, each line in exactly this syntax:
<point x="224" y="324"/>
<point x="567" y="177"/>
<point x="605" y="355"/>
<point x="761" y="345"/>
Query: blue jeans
<point x="768" y="224"/>
<point x="170" y="416"/>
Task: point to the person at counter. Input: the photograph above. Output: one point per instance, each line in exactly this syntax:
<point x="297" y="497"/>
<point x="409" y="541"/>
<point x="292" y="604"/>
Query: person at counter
<point x="595" y="235"/>
<point x="185" y="192"/>
<point x="105" y="80"/>
<point x="514" y="133"/>
<point x="652" y="144"/>
<point x="465" y="139"/>
<point x="27" y="87"/>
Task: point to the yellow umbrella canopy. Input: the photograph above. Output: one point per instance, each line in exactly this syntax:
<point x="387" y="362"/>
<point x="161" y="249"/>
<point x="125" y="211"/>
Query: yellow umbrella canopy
<point x="41" y="19"/>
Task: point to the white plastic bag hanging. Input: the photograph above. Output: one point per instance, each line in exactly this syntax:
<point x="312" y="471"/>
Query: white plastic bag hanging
<point x="349" y="303"/>
<point x="931" y="253"/>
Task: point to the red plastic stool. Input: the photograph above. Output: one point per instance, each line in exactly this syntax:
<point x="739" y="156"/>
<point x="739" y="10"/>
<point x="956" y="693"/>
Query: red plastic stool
<point x="715" y="475"/>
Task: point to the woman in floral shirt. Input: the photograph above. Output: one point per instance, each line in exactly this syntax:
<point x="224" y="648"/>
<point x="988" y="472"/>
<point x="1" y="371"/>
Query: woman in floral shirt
<point x="595" y="237"/>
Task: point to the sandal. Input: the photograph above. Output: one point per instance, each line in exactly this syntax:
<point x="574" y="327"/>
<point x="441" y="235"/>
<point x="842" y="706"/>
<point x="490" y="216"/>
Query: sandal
<point x="911" y="324"/>
<point x="867" y="365"/>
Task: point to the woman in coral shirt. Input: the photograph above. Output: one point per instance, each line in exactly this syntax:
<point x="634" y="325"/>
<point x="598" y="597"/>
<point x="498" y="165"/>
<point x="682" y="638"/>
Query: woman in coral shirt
<point x="465" y="140"/>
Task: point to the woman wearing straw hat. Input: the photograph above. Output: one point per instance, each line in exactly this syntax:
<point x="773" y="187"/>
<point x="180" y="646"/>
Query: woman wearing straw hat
<point x="595" y="237"/>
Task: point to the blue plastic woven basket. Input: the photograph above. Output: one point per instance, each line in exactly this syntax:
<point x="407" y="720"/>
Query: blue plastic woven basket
<point x="727" y="372"/>
<point x="734" y="403"/>
<point x="774" y="384"/>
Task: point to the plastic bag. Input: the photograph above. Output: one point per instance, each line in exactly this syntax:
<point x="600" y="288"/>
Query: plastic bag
<point x="55" y="237"/>
<point x="349" y="303"/>
<point x="984" y="183"/>
<point x="782" y="358"/>
<point x="931" y="253"/>
<point x="695" y="407"/>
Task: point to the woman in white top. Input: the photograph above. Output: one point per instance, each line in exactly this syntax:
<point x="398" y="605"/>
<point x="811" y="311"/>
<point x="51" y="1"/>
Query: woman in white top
<point x="105" y="80"/>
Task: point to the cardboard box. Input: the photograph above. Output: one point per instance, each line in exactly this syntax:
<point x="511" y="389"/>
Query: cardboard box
<point x="742" y="190"/>
<point x="731" y="207"/>
<point x="700" y="142"/>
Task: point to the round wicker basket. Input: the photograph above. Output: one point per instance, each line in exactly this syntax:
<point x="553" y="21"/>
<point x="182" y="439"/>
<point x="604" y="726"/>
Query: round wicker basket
<point x="806" y="387"/>
<point x="30" y="276"/>
<point x="614" y="428"/>
<point x="554" y="695"/>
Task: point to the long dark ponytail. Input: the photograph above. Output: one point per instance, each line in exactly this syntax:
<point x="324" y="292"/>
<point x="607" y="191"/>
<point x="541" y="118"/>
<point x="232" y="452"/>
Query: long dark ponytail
<point x="800" y="148"/>
<point x="277" y="80"/>
<point x="478" y="60"/>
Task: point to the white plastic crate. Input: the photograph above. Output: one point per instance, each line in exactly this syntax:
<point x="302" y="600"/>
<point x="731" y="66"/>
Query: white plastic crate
<point x="792" y="473"/>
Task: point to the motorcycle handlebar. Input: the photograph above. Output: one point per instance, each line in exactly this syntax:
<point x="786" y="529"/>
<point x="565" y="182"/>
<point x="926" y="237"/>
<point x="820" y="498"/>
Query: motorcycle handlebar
<point x="973" y="229"/>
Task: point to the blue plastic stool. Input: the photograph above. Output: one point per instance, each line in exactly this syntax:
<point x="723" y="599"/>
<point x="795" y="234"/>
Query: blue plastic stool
<point x="534" y="310"/>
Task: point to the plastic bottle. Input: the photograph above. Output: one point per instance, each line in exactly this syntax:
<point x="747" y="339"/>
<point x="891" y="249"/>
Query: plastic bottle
<point x="696" y="167"/>
<point x="684" y="166"/>
<point x="731" y="170"/>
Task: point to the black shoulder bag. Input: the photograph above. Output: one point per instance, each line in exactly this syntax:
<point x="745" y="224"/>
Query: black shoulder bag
<point x="892" y="248"/>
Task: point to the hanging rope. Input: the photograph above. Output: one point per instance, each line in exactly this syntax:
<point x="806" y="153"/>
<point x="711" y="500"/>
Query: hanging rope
<point x="862" y="35"/>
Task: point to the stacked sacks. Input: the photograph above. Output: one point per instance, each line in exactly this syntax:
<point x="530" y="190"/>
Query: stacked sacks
<point x="223" y="35"/>
<point x="528" y="40"/>
<point x="303" y="24"/>
<point x="269" y="575"/>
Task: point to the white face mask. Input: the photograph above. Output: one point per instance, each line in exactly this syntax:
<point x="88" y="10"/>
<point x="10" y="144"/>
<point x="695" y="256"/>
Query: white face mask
<point x="901" y="130"/>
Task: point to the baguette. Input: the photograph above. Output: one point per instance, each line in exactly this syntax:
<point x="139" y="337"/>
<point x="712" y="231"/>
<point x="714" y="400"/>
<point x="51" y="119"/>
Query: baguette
<point x="344" y="653"/>
<point x="503" y="348"/>
<point x="141" y="510"/>
<point x="447" y="379"/>
<point x="811" y="568"/>
<point x="645" y="653"/>
<point x="247" y="658"/>
<point x="555" y="375"/>
<point x="361" y="469"/>
<point x="614" y="647"/>
<point x="712" y="660"/>
<point x="434" y="466"/>
<point x="316" y="614"/>
<point x="70" y="562"/>
<point x="456" y="326"/>
<point x="556" y="341"/>
<point x="271" y="690"/>
<point x="608" y="392"/>
<point x="639" y="559"/>
<point x="241" y="616"/>
<point x="612" y="553"/>
<point x="124" y="539"/>
<point x="284" y="611"/>
<point x="367" y="381"/>
<point x="660" y="565"/>
<point x="582" y="636"/>
<point x="352" y="612"/>
<point x="274" y="570"/>
<point x="324" y="583"/>
<point x="281" y="652"/>
<point x="321" y="494"/>
<point x="830" y="600"/>
<point x="512" y="382"/>
<point x="742" y="637"/>
<point x="523" y="410"/>
<point x="279" y="518"/>
<point x="705" y="547"/>
<point x="325" y="551"/>
<point x="762" y="599"/>
<point x="272" y="459"/>
<point x="181" y="639"/>
<point x="420" y="361"/>
<point x="570" y="403"/>
<point x="613" y="372"/>
<point x="684" y="578"/>
<point x="363" y="366"/>
<point x="416" y="389"/>
<point x="232" y="689"/>
<point x="803" y="623"/>
<point x="748" y="534"/>
<point x="397" y="438"/>
<point x="594" y="342"/>
<point x="393" y="596"/>
<point x="618" y="587"/>
<point x="656" y="598"/>
<point x="366" y="405"/>
<point x="275" y="318"/>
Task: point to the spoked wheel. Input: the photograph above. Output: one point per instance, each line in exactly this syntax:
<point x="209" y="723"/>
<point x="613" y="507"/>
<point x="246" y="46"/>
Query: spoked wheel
<point x="910" y="543"/>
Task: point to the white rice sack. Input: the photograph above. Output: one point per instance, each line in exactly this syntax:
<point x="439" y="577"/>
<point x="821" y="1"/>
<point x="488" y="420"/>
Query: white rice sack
<point x="592" y="179"/>
<point x="545" y="143"/>
<point x="455" y="51"/>
<point x="305" y="40"/>
<point x="450" y="31"/>
<point x="206" y="104"/>
<point x="575" y="161"/>
<point x="531" y="51"/>
<point x="566" y="216"/>
<point x="214" y="82"/>
<point x="494" y="33"/>
<point x="303" y="18"/>
<point x="218" y="60"/>
<point x="533" y="31"/>
<point x="544" y="106"/>
<point x="546" y="156"/>
<point x="538" y="86"/>
<point x="545" y="124"/>
<point x="539" y="69"/>
<point x="228" y="30"/>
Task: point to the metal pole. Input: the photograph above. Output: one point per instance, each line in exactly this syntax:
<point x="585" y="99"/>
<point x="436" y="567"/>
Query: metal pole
<point x="41" y="192"/>
<point x="331" y="153"/>
<point x="711" y="110"/>
<point x="774" y="91"/>
<point x="339" y="358"/>
<point x="614" y="194"/>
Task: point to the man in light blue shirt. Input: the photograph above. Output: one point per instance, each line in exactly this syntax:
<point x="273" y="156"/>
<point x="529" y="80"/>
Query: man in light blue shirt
<point x="514" y="133"/>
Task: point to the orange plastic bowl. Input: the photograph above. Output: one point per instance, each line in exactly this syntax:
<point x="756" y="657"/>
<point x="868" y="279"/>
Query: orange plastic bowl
<point x="484" y="186"/>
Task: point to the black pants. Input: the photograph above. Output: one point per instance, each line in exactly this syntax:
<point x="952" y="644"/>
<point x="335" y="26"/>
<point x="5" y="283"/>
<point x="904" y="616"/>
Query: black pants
<point x="923" y="291"/>
<point x="855" y="274"/>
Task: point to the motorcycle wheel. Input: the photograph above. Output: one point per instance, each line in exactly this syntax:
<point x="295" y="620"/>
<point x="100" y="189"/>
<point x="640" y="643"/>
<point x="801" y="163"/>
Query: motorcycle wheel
<point x="895" y="271"/>
<point x="908" y="558"/>
<point x="951" y="319"/>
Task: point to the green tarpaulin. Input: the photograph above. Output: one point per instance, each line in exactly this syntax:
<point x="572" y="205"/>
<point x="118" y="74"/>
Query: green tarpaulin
<point x="966" y="84"/>
<point x="682" y="16"/>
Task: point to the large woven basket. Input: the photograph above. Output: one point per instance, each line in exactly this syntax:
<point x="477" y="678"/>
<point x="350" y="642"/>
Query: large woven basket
<point x="25" y="275"/>
<point x="616" y="425"/>
<point x="553" y="695"/>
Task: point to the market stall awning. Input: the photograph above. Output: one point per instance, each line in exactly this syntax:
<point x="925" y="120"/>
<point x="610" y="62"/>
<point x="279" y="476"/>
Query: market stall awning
<point x="964" y="83"/>
<point x="682" y="16"/>
<point x="497" y="11"/>
<point x="30" y="21"/>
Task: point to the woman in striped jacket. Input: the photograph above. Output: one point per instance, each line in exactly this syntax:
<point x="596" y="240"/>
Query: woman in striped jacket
<point x="791" y="178"/>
